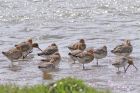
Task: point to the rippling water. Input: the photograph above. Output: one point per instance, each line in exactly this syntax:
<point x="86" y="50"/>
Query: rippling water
<point x="99" y="22"/>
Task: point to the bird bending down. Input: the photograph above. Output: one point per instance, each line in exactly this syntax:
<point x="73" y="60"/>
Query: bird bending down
<point x="130" y="62"/>
<point x="100" y="53"/>
<point x="78" y="46"/>
<point x="46" y="66"/>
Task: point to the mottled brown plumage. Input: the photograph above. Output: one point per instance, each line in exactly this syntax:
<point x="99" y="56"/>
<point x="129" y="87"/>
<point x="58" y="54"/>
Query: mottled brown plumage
<point x="13" y="54"/>
<point x="51" y="62"/>
<point x="27" y="47"/>
<point x="130" y="62"/>
<point x="78" y="46"/>
<point x="124" y="49"/>
<point x="49" y="51"/>
<point x="85" y="57"/>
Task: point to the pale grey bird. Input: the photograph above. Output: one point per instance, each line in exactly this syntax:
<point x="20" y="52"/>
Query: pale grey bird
<point x="100" y="53"/>
<point x="130" y="62"/>
<point x="121" y="62"/>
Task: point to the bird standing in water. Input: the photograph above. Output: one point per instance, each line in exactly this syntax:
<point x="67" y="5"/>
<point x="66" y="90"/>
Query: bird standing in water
<point x="49" y="51"/>
<point x="124" y="49"/>
<point x="85" y="57"/>
<point x="51" y="62"/>
<point x="27" y="47"/>
<point x="73" y="54"/>
<point x="100" y="53"/>
<point x="78" y="46"/>
<point x="13" y="54"/>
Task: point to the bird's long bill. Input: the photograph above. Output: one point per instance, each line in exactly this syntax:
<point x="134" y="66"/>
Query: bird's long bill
<point x="40" y="49"/>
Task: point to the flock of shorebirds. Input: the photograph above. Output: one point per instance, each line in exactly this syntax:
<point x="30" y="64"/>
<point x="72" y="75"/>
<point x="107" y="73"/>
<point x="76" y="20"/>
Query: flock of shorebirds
<point x="78" y="53"/>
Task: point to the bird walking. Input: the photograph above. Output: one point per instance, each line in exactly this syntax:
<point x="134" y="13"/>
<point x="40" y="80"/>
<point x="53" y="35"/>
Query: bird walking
<point x="121" y="62"/>
<point x="130" y="62"/>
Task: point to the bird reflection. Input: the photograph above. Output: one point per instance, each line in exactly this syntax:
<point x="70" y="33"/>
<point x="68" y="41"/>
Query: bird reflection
<point x="46" y="75"/>
<point x="14" y="66"/>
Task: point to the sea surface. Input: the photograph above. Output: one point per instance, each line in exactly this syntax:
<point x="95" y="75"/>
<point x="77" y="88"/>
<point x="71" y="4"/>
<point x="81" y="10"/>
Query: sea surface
<point x="99" y="22"/>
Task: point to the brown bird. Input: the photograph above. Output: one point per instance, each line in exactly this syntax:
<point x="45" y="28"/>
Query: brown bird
<point x="13" y="54"/>
<point x="124" y="49"/>
<point x="49" y="51"/>
<point x="27" y="47"/>
<point x="73" y="54"/>
<point x="100" y="53"/>
<point x="130" y="62"/>
<point x="85" y="57"/>
<point x="51" y="62"/>
<point x="78" y="46"/>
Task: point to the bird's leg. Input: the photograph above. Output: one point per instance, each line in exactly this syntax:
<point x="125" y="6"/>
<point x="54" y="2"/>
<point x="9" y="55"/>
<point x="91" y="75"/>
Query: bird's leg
<point x="127" y="68"/>
<point x="83" y="67"/>
<point x="135" y="67"/>
<point x="124" y="68"/>
<point x="11" y="65"/>
<point x="73" y="62"/>
<point x="118" y="69"/>
<point x="24" y="56"/>
<point x="97" y="62"/>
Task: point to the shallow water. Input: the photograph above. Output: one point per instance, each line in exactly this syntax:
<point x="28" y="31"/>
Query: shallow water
<point x="99" y="22"/>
